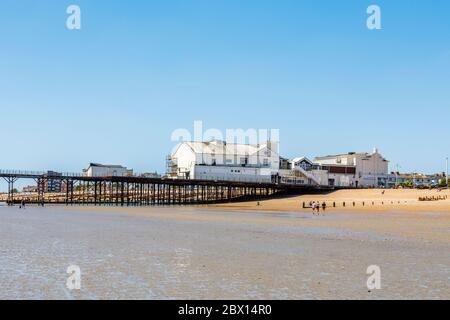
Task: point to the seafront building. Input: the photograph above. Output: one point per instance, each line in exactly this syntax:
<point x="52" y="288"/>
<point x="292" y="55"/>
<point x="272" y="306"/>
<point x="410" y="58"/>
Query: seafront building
<point x="355" y="169"/>
<point x="152" y="175"/>
<point x="29" y="189"/>
<point x="221" y="161"/>
<point x="106" y="170"/>
<point x="418" y="180"/>
<point x="301" y="162"/>
<point x="50" y="185"/>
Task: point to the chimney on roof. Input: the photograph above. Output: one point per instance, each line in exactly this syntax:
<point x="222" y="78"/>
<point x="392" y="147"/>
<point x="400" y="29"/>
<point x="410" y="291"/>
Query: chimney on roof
<point x="272" y="146"/>
<point x="375" y="150"/>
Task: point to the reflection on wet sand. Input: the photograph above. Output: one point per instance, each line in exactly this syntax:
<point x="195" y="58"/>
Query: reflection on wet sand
<point x="195" y="253"/>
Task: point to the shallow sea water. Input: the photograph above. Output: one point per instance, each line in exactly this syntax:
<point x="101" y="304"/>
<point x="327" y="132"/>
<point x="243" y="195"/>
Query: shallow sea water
<point x="123" y="256"/>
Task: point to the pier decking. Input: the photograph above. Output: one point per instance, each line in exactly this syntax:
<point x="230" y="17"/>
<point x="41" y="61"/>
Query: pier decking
<point x="121" y="191"/>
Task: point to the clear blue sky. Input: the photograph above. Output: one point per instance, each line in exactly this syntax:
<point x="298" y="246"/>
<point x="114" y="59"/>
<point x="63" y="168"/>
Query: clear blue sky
<point x="115" y="90"/>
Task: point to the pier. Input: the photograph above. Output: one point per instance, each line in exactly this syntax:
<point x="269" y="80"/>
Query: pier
<point x="76" y="189"/>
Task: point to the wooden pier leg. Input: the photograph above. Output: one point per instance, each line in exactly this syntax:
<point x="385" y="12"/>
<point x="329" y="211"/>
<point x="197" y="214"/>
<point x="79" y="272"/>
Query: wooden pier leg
<point x="157" y="193"/>
<point x="123" y="194"/>
<point x="153" y="193"/>
<point x="67" y="192"/>
<point x="95" y="193"/>
<point x="100" y="200"/>
<point x="71" y="192"/>
<point x="117" y="193"/>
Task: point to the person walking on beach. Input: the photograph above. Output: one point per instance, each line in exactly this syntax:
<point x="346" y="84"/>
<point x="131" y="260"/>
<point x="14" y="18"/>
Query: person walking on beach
<point x="22" y="204"/>
<point x="318" y="208"/>
<point x="313" y="206"/>
<point x="324" y="206"/>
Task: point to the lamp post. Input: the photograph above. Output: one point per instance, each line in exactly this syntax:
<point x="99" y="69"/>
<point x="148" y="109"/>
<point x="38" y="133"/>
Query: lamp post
<point x="396" y="175"/>
<point x="446" y="170"/>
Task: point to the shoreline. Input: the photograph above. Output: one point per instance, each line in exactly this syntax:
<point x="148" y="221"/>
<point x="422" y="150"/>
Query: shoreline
<point x="366" y="200"/>
<point x="348" y="200"/>
<point x="421" y="225"/>
<point x="413" y="219"/>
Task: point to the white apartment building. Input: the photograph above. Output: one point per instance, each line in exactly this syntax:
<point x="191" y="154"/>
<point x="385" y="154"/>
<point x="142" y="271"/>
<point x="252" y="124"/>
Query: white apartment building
<point x="222" y="161"/>
<point x="105" y="170"/>
<point x="355" y="169"/>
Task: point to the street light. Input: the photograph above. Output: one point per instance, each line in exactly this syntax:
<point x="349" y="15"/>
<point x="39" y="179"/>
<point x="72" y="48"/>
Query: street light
<point x="396" y="175"/>
<point x="446" y="171"/>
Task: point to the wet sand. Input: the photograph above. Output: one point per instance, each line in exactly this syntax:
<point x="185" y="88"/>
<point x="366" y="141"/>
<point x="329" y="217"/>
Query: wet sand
<point x="211" y="253"/>
<point x="375" y="200"/>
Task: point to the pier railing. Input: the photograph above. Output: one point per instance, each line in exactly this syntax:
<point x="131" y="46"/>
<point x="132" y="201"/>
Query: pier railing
<point x="51" y="173"/>
<point x="22" y="172"/>
<point x="76" y="188"/>
<point x="39" y="173"/>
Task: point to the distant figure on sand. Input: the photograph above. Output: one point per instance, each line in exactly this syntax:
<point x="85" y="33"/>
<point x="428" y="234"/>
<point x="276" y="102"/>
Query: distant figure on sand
<point x="312" y="204"/>
<point x="324" y="206"/>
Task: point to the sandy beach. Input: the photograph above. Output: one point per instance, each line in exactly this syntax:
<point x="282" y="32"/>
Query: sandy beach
<point x="380" y="200"/>
<point x="396" y="212"/>
<point x="233" y="251"/>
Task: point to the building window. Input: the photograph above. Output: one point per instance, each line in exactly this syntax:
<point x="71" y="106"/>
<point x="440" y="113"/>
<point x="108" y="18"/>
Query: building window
<point x="266" y="162"/>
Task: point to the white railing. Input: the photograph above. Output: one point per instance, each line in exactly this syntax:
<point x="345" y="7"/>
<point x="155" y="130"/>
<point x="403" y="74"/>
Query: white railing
<point x="56" y="174"/>
<point x="22" y="172"/>
<point x="308" y="175"/>
<point x="39" y="173"/>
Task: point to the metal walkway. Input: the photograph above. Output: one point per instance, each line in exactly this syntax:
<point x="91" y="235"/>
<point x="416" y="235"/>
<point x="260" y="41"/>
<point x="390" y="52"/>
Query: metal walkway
<point x="72" y="188"/>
